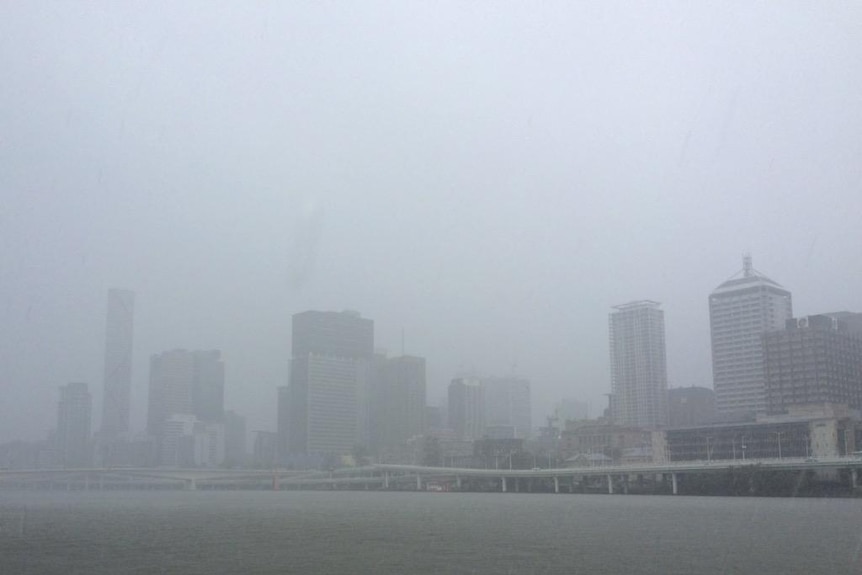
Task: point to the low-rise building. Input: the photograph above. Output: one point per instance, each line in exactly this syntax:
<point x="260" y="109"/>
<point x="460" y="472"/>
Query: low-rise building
<point x="816" y="431"/>
<point x="596" y="436"/>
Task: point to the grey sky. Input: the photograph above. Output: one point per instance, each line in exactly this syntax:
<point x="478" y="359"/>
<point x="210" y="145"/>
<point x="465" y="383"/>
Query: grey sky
<point x="490" y="177"/>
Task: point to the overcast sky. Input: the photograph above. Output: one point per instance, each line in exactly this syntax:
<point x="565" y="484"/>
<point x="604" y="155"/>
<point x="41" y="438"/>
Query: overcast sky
<point x="489" y="177"/>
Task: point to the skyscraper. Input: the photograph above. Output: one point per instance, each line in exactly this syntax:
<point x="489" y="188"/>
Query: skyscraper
<point x="73" y="425"/>
<point x="186" y="394"/>
<point x="466" y="408"/>
<point x="638" y="364"/>
<point x="741" y="310"/>
<point x="116" y="401"/>
<point x="208" y="386"/>
<point x="397" y="401"/>
<point x="327" y="399"/>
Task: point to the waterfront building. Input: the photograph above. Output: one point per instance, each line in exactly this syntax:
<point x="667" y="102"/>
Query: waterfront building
<point x="116" y="398"/>
<point x="638" y="365"/>
<point x="73" y="425"/>
<point x="589" y="442"/>
<point x="813" y="360"/>
<point x="741" y="310"/>
<point x="812" y="431"/>
<point x="327" y="398"/>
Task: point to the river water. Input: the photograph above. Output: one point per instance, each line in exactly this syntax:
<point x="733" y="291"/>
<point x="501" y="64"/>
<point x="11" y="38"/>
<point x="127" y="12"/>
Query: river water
<point x="401" y="533"/>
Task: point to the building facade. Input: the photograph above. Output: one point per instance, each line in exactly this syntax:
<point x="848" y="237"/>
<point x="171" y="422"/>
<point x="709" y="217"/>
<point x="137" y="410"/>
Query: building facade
<point x="186" y="397"/>
<point x="466" y="411"/>
<point x="397" y="402"/>
<point x="638" y="365"/>
<point x="327" y="411"/>
<point x="119" y="330"/>
<point x="596" y="442"/>
<point x="741" y="310"/>
<point x="814" y="360"/>
<point x="824" y="431"/>
<point x="73" y="425"/>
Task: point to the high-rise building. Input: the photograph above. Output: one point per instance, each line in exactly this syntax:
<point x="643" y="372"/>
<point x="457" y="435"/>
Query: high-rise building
<point x="741" y="310"/>
<point x="638" y="365"/>
<point x="397" y="401"/>
<point x="507" y="404"/>
<point x="186" y="388"/>
<point x="208" y="386"/>
<point x="466" y="408"/>
<point x="327" y="397"/>
<point x="814" y="360"/>
<point x="116" y="400"/>
<point x="73" y="425"/>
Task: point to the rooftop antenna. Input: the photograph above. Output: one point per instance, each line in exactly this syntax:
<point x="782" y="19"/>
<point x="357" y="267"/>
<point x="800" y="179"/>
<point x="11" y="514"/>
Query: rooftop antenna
<point x="746" y="265"/>
<point x="402" y="342"/>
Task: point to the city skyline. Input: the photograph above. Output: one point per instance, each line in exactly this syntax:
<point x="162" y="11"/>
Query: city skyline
<point x="487" y="180"/>
<point x="541" y="415"/>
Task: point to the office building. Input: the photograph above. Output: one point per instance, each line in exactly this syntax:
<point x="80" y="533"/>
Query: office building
<point x="814" y="360"/>
<point x="186" y="388"/>
<point x="466" y="408"/>
<point x="73" y="425"/>
<point x="741" y="310"/>
<point x="397" y="402"/>
<point x="208" y="386"/>
<point x="638" y="365"/>
<point x="327" y="398"/>
<point x="119" y="328"/>
<point x="507" y="404"/>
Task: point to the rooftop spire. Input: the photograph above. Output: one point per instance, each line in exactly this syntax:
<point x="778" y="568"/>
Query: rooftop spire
<point x="747" y="268"/>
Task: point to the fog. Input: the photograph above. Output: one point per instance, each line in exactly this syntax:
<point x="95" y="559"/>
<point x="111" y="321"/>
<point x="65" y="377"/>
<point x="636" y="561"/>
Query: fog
<point x="489" y="178"/>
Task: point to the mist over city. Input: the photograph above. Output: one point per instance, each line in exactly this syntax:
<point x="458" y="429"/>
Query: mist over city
<point x="488" y="181"/>
<point x="447" y="287"/>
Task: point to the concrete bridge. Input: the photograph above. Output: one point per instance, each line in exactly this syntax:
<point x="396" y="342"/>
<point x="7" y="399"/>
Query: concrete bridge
<point x="386" y="476"/>
<point x="615" y="476"/>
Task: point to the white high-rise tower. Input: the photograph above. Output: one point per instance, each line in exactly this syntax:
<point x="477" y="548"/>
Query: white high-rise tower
<point x="741" y="310"/>
<point x="638" y="365"/>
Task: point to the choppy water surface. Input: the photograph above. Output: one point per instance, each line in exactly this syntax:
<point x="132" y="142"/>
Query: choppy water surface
<point x="368" y="532"/>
